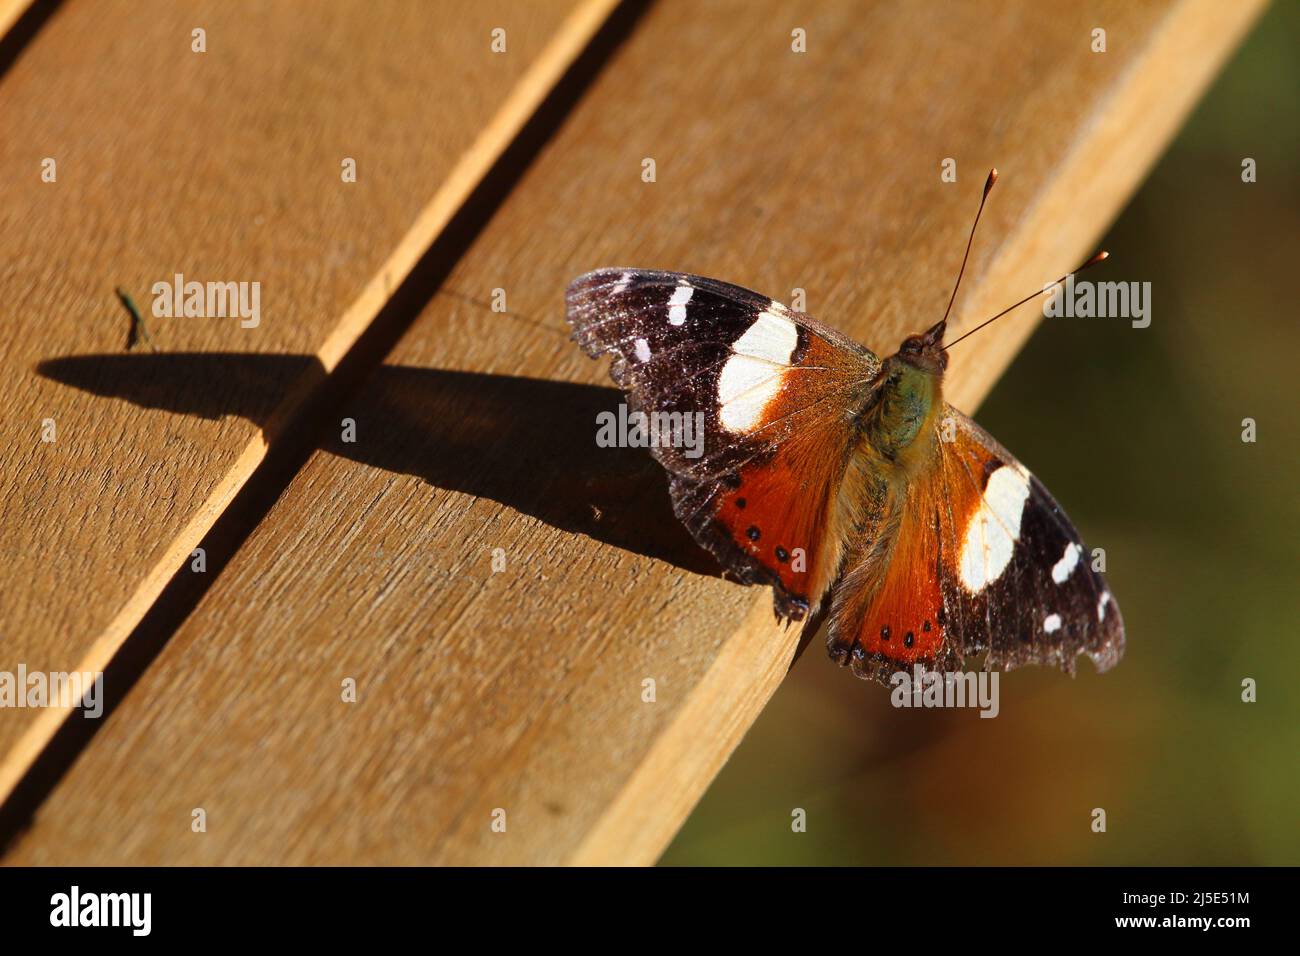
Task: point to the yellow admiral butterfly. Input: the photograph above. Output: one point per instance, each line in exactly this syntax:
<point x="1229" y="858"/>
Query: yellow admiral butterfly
<point x="846" y="482"/>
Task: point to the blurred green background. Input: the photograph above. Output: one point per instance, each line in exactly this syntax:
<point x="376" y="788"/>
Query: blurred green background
<point x="1138" y="434"/>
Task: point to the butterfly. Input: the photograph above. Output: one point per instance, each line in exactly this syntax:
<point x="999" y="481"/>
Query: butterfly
<point x="846" y="482"/>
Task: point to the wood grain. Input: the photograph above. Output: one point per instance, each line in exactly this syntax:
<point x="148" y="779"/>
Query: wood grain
<point x="222" y="166"/>
<point x="522" y="689"/>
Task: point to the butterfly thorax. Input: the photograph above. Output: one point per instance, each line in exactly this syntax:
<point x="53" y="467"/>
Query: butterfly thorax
<point x="901" y="414"/>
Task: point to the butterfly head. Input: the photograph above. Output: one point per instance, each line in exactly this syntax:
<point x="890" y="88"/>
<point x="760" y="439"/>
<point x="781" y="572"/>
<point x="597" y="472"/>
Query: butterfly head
<point x="925" y="351"/>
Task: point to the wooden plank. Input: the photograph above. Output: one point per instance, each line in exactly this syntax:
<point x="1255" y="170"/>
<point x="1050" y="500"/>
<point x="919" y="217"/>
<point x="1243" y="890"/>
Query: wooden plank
<point x="521" y="689"/>
<point x="224" y="166"/>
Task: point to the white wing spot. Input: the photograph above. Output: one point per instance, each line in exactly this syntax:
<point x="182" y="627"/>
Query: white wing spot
<point x="1062" y="569"/>
<point x="745" y="387"/>
<point x="677" y="304"/>
<point x="772" y="337"/>
<point x="1052" y="623"/>
<point x="623" y="282"/>
<point x="752" y="376"/>
<point x="994" y="529"/>
<point x="1101" y="605"/>
<point x="642" y="350"/>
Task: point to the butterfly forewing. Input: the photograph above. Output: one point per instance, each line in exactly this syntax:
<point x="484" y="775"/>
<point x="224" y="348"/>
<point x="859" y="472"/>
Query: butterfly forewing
<point x="771" y="388"/>
<point x="1038" y="597"/>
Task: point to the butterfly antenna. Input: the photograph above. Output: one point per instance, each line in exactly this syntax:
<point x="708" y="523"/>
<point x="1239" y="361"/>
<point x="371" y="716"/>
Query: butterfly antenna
<point x="1101" y="256"/>
<point x="988" y="187"/>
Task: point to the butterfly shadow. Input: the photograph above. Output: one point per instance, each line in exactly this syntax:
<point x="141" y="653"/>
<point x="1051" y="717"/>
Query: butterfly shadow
<point x="529" y="444"/>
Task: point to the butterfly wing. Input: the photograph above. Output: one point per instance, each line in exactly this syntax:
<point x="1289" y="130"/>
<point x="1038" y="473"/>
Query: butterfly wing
<point x="770" y="388"/>
<point x="974" y="556"/>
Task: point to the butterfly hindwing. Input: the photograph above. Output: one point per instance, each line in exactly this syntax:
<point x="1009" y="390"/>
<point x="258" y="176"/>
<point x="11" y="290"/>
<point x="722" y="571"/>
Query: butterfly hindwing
<point x="888" y="610"/>
<point x="770" y="387"/>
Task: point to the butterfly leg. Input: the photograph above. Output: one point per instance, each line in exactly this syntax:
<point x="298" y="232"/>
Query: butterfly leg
<point x="789" y="607"/>
<point x="810" y="629"/>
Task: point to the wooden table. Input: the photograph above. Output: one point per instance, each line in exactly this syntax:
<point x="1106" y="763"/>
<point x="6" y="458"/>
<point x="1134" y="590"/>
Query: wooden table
<point x="494" y="586"/>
